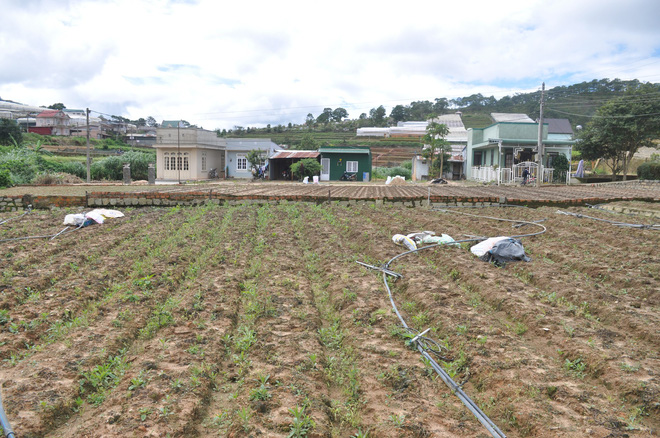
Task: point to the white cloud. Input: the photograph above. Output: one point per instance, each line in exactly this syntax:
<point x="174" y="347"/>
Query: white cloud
<point x="219" y="64"/>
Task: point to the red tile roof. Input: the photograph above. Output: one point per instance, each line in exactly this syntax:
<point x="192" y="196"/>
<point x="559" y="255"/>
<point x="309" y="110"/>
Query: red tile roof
<point x="48" y="113"/>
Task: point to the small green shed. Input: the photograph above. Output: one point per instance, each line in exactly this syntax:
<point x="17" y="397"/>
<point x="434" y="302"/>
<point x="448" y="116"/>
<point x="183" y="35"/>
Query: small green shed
<point x="352" y="159"/>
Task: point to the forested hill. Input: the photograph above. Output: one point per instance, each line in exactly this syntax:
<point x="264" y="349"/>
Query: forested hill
<point x="575" y="102"/>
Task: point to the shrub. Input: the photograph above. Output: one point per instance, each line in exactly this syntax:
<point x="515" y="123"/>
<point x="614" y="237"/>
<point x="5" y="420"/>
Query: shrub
<point x="561" y="165"/>
<point x="5" y="179"/>
<point x="649" y="170"/>
<point x="21" y="163"/>
<point x="74" y="168"/>
<point x="384" y="172"/>
<point x="111" y="168"/>
<point x="311" y="167"/>
<point x="10" y="133"/>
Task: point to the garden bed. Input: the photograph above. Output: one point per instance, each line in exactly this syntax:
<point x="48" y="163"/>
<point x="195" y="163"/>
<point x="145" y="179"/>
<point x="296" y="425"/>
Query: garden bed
<point x="255" y="320"/>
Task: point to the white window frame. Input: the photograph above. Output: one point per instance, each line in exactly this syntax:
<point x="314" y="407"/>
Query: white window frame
<point x="203" y="161"/>
<point x="352" y="166"/>
<point x="241" y="162"/>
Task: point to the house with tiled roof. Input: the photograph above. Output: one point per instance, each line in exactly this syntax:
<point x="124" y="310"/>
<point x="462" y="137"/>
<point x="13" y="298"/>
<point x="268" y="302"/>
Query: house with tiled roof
<point x="52" y="122"/>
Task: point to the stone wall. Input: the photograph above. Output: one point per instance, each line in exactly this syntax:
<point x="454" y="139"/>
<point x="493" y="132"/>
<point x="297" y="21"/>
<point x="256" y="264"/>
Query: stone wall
<point x="11" y="203"/>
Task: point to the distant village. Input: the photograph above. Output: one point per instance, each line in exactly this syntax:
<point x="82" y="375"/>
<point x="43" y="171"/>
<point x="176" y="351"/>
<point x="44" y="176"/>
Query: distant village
<point x="497" y="153"/>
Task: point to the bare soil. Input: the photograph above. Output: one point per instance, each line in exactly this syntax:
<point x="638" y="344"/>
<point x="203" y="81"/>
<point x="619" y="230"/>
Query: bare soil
<point x="252" y="320"/>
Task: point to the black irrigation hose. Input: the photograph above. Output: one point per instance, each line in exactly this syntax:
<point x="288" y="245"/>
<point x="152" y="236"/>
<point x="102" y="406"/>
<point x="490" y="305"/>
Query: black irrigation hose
<point x="17" y="217"/>
<point x="655" y="227"/>
<point x="4" y="422"/>
<point x="49" y="237"/>
<point x="423" y="342"/>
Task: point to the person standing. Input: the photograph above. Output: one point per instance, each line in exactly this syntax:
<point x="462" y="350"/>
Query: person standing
<point x="525" y="175"/>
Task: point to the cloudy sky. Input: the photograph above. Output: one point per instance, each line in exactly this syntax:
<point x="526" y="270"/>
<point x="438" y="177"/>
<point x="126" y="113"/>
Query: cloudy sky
<point x="218" y="63"/>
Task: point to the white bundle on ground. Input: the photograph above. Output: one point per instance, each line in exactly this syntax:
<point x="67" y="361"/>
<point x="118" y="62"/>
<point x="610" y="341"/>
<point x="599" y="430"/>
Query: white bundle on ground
<point x="406" y="241"/>
<point x="395" y="181"/>
<point x="482" y="248"/>
<point x="98" y="215"/>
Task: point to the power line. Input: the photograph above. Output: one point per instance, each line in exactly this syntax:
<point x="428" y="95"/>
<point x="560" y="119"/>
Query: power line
<point x="627" y="116"/>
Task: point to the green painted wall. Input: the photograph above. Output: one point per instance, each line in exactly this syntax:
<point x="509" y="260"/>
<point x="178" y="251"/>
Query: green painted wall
<point x="338" y="162"/>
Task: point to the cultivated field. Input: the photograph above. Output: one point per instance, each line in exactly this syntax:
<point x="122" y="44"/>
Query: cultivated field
<point x="256" y="321"/>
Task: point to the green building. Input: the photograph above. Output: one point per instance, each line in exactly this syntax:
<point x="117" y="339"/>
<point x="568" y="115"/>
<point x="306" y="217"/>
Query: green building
<point x="352" y="159"/>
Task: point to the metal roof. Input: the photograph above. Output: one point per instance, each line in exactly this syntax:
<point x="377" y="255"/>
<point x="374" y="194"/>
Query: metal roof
<point x="248" y="144"/>
<point x="559" y="126"/>
<point x="294" y="154"/>
<point x="344" y="151"/>
<point x="511" y="117"/>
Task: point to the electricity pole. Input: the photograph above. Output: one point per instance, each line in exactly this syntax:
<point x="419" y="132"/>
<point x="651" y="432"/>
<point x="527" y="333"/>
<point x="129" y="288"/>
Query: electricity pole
<point x="539" y="146"/>
<point x="88" y="174"/>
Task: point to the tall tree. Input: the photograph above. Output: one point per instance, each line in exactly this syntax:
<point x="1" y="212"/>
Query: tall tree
<point x="378" y="115"/>
<point x="309" y="121"/>
<point x="434" y="142"/>
<point x="399" y="113"/>
<point x="325" y="117"/>
<point x="57" y="106"/>
<point x="440" y="105"/>
<point x="338" y="114"/>
<point x="621" y="127"/>
<point x="420" y="109"/>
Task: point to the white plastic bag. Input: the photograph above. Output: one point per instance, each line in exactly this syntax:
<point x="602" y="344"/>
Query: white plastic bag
<point x="482" y="248"/>
<point x="444" y="238"/>
<point x="406" y="241"/>
<point x="74" y="219"/>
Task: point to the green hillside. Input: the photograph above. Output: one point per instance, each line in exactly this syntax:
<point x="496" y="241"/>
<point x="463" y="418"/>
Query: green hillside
<point x="574" y="102"/>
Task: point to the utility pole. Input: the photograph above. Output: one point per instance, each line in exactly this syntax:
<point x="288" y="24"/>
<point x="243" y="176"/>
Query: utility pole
<point x="88" y="173"/>
<point x="539" y="146"/>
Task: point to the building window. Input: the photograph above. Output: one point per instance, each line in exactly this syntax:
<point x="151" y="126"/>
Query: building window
<point x="241" y="162"/>
<point x="185" y="163"/>
<point x="352" y="166"/>
<point x="167" y="163"/>
<point x="477" y="159"/>
<point x="203" y="162"/>
<point x="179" y="161"/>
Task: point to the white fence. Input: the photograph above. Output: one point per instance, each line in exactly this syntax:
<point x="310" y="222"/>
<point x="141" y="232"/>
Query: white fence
<point x="513" y="175"/>
<point x="485" y="174"/>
